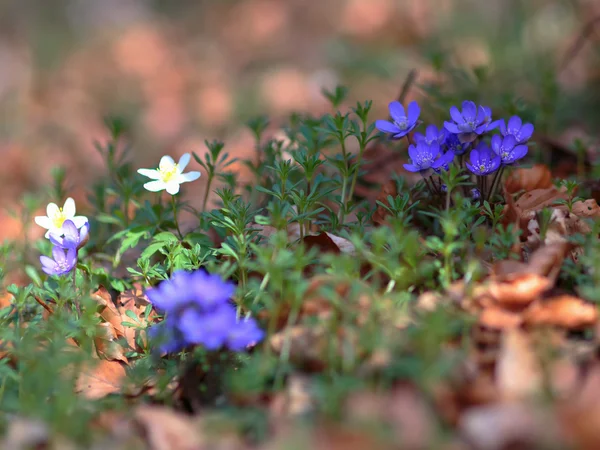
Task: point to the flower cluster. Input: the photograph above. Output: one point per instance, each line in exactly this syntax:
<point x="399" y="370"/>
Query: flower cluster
<point x="466" y="131"/>
<point x="198" y="311"/>
<point x="67" y="232"/>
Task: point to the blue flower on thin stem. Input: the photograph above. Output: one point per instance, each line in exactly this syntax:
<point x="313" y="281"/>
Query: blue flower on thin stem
<point x="71" y="236"/>
<point x="425" y="158"/>
<point x="522" y="132"/>
<point x="61" y="263"/>
<point x="471" y="122"/>
<point x="433" y="135"/>
<point x="401" y="123"/>
<point x="199" y="312"/>
<point x="483" y="160"/>
<point x="507" y="149"/>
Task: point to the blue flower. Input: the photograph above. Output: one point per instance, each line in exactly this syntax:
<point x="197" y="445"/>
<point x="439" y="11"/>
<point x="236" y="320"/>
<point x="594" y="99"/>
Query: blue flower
<point x="63" y="262"/>
<point x="425" y="158"/>
<point x="199" y="312"/>
<point x="483" y="160"/>
<point x="452" y="143"/>
<point x="433" y="135"/>
<point x="401" y="123"/>
<point x="475" y="194"/>
<point x="521" y="132"/>
<point x="70" y="236"/>
<point x="471" y="122"/>
<point x="507" y="149"/>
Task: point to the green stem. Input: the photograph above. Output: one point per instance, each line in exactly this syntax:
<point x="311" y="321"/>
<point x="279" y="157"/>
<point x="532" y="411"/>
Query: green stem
<point x="175" y="217"/>
<point x="355" y="177"/>
<point x="208" y="184"/>
<point x="495" y="183"/>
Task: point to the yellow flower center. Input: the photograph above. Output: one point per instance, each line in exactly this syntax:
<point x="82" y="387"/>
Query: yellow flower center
<point x="167" y="173"/>
<point x="59" y="218"/>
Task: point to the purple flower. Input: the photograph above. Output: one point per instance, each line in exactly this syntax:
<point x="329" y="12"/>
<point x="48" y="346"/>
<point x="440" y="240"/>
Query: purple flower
<point x="475" y="194"/>
<point x="483" y="160"/>
<point x="425" y="157"/>
<point x="433" y="135"/>
<point x="203" y="290"/>
<point x="70" y="236"/>
<point x="443" y="162"/>
<point x="401" y="123"/>
<point x="471" y="122"/>
<point x="507" y="149"/>
<point x="198" y="312"/>
<point x="246" y="332"/>
<point x="521" y="132"/>
<point x="452" y="143"/>
<point x="63" y="261"/>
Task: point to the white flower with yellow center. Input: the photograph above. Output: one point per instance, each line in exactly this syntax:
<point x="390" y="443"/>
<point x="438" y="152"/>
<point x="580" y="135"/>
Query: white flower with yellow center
<point x="169" y="175"/>
<point x="55" y="217"/>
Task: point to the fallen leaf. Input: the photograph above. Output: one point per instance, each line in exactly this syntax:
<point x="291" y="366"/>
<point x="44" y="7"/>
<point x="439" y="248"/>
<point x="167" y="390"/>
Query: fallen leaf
<point x="327" y="242"/>
<point x="166" y="429"/>
<point x="518" y="291"/>
<point x="565" y="311"/>
<point x="529" y="179"/>
<point x="106" y="343"/>
<point x="106" y="377"/>
<point x="388" y="189"/>
<point x="22" y="434"/>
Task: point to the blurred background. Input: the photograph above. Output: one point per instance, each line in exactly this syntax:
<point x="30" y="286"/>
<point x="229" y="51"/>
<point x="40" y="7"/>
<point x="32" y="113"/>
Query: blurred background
<point x="182" y="71"/>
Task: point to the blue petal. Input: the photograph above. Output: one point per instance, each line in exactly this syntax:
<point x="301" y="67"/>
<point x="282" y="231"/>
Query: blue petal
<point x="386" y="127"/>
<point x="451" y="127"/>
<point x="412" y="168"/>
<point x="469" y="111"/>
<point x="413" y="112"/>
<point x="456" y="116"/>
<point x="397" y="110"/>
<point x="526" y="132"/>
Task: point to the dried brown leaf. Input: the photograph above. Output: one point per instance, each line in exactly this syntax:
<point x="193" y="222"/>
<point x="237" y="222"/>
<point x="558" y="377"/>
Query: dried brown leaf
<point x="529" y="179"/>
<point x="106" y="343"/>
<point x="380" y="214"/>
<point x="327" y="242"/>
<point x="519" y="291"/>
<point x="103" y="379"/>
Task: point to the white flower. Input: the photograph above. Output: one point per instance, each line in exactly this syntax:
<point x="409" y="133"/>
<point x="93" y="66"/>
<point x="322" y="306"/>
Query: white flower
<point x="55" y="217"/>
<point x="169" y="175"/>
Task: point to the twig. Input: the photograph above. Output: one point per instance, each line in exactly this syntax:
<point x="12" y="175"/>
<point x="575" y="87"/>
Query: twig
<point x="44" y="305"/>
<point x="408" y="82"/>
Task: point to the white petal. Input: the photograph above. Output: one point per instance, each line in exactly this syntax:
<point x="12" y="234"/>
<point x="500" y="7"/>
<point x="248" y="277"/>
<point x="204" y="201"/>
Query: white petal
<point x="172" y="187"/>
<point x="183" y="162"/>
<point x="43" y="222"/>
<point x="190" y="176"/>
<point x="69" y="208"/>
<point x="166" y="163"/>
<point x="150" y="173"/>
<point x="52" y="210"/>
<point x="155" y="186"/>
<point x="79" y="221"/>
<point x="47" y="235"/>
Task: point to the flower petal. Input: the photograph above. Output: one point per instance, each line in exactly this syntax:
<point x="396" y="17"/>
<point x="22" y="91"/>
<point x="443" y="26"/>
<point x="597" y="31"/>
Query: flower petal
<point x="172" y="187"/>
<point x="69" y="208"/>
<point x="186" y="177"/>
<point x="514" y="124"/>
<point x="413" y="112"/>
<point x="412" y="168"/>
<point x="526" y="132"/>
<point x="155" y="186"/>
<point x="451" y="127"/>
<point x="502" y="124"/>
<point x="43" y="222"/>
<point x="386" y="127"/>
<point x="166" y="163"/>
<point x="396" y="110"/>
<point x="496" y="144"/>
<point x="519" y="152"/>
<point x="456" y="116"/>
<point x="52" y="210"/>
<point x="80" y="221"/>
<point x="183" y="162"/>
<point x="150" y="173"/>
<point x="56" y="240"/>
<point x="469" y="111"/>
<point x="47" y="262"/>
<point x="58" y="254"/>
